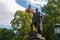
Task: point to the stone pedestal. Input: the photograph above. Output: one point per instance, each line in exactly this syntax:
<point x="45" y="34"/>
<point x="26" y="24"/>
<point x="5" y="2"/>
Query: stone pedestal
<point x="35" y="36"/>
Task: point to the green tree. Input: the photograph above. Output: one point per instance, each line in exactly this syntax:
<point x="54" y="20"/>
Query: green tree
<point x="21" y="23"/>
<point x="6" y="34"/>
<point x="52" y="12"/>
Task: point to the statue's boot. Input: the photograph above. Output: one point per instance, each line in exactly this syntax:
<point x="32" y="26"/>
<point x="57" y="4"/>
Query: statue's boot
<point x="39" y="31"/>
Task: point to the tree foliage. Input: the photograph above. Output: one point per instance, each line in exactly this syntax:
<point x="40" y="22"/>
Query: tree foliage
<point x="21" y="23"/>
<point x="52" y="13"/>
<point x="6" y="34"/>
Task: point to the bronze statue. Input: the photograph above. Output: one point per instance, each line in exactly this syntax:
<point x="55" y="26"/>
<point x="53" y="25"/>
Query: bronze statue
<point x="36" y="21"/>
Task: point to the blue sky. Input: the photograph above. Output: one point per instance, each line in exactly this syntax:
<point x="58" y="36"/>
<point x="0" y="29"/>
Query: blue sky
<point x="9" y="7"/>
<point x="34" y="3"/>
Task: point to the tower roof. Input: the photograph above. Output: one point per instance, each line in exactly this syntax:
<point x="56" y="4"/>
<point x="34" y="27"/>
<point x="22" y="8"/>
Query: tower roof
<point x="29" y="6"/>
<point x="29" y="9"/>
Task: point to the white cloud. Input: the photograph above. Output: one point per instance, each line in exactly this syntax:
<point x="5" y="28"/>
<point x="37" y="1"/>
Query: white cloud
<point x="37" y="2"/>
<point x="7" y="10"/>
<point x="9" y="7"/>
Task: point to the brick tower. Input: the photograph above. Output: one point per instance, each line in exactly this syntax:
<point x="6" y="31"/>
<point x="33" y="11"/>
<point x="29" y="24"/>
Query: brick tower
<point x="29" y="9"/>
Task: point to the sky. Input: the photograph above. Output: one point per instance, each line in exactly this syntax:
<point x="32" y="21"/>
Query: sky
<point x="34" y="3"/>
<point x="9" y="7"/>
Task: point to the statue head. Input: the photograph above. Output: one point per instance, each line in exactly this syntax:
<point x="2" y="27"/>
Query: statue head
<point x="36" y="9"/>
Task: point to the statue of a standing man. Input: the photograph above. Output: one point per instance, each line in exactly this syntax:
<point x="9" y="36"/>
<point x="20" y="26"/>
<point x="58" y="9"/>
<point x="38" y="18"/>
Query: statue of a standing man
<point x="36" y="21"/>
